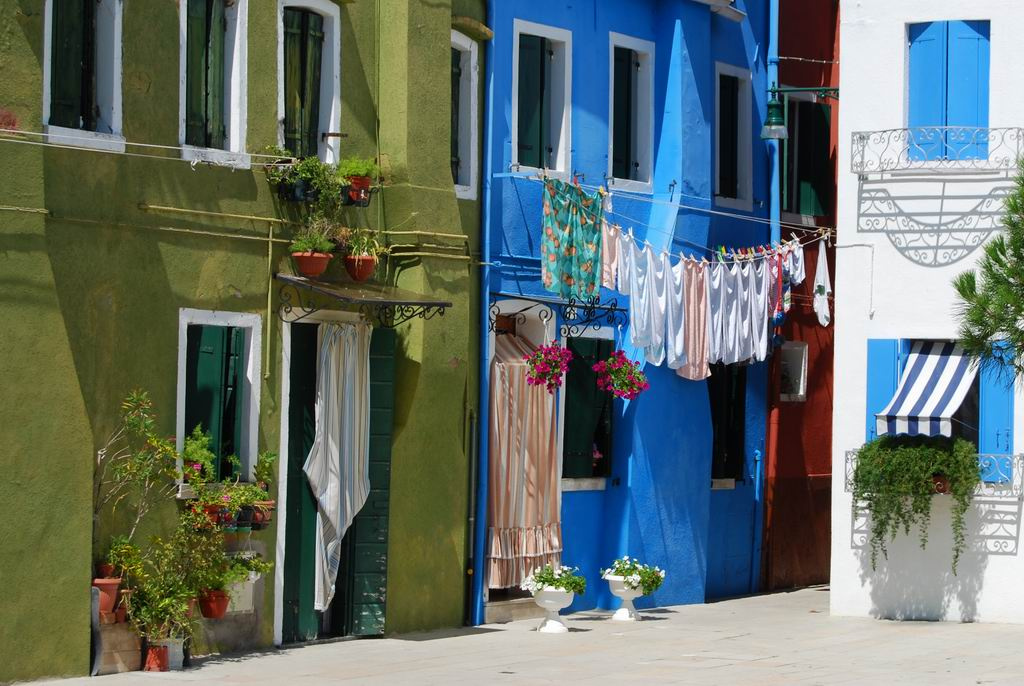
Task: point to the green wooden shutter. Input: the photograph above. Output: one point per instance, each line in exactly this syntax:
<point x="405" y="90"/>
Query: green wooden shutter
<point x="215" y="64"/>
<point x="300" y="622"/>
<point x="314" y="43"/>
<point x="66" y="72"/>
<point x="364" y="566"/>
<point x="293" y="40"/>
<point x="456" y="89"/>
<point x="728" y="136"/>
<point x="587" y="421"/>
<point x="622" y="136"/>
<point x="196" y="71"/>
<point x="532" y="141"/>
<point x="214" y="366"/>
<point x="814" y="175"/>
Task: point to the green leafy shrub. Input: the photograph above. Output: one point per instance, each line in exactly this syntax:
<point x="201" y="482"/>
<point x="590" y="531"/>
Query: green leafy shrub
<point x="357" y="166"/>
<point x="636" y="575"/>
<point x="263" y="472"/>
<point x="315" y="236"/>
<point x="565" y="578"/>
<point x="360" y="242"/>
<point x="893" y="479"/>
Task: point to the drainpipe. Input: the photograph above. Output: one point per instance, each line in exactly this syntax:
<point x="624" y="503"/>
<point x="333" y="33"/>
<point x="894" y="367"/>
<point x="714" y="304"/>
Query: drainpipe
<point x="775" y="216"/>
<point x="480" y="519"/>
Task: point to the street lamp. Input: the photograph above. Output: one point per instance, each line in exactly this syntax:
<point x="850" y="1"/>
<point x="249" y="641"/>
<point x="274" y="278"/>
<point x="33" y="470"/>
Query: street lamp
<point x="775" y="128"/>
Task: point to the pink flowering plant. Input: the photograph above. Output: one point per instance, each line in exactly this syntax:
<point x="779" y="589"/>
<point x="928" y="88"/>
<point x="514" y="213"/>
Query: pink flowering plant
<point x="548" y="364"/>
<point x="621" y="376"/>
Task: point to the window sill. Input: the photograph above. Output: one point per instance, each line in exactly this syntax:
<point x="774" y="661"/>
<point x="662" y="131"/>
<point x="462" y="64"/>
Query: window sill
<point x="221" y="158"/>
<point x="529" y="171"/>
<point x="596" y="483"/>
<point x="734" y="203"/>
<point x="793" y="397"/>
<point x="723" y="484"/>
<point x="465" y="192"/>
<point x="77" y="138"/>
<point x="631" y="186"/>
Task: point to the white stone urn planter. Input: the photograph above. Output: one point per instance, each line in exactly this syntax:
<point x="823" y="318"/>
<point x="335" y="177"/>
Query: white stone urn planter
<point x="551" y="600"/>
<point x="626" y="613"/>
<point x="175" y="652"/>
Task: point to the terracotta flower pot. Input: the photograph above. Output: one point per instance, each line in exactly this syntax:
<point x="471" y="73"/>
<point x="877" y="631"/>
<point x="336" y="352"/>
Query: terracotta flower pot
<point x="192" y="602"/>
<point x="156" y="658"/>
<point x="359" y="190"/>
<point x="311" y="264"/>
<point x="214" y="603"/>
<point x="360" y="267"/>
<point x="108" y="592"/>
<point x="105" y="570"/>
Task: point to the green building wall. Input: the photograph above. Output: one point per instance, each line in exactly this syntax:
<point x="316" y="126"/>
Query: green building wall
<point x="92" y="285"/>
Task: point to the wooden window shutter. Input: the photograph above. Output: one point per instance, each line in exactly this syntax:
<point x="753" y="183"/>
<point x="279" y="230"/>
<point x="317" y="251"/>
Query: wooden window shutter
<point x="314" y="43"/>
<point x="195" y="72"/>
<point x="293" y="40"/>
<point x="622" y="114"/>
<point x="66" y="68"/>
<point x="213" y="384"/>
<point x="215" y="130"/>
<point x="532" y="142"/>
<point x="814" y="174"/>
<point x="456" y="90"/>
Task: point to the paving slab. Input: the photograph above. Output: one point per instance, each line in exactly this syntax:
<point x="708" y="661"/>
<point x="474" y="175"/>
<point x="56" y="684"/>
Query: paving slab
<point x="783" y="638"/>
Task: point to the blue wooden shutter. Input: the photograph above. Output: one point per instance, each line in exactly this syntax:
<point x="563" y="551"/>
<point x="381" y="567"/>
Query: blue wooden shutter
<point x="927" y="105"/>
<point x="883" y="378"/>
<point x="967" y="89"/>
<point x="995" y="414"/>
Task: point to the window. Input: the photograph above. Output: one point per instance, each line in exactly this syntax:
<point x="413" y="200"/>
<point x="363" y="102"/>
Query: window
<point x="808" y="179"/>
<point x="218" y="385"/>
<point x="541" y="96"/>
<point x="793" y="362"/>
<point x="465" y="115"/>
<point x="948" y="86"/>
<point x="82" y="73"/>
<point x="630" y="115"/>
<point x="309" y="85"/>
<point x="587" y="423"/>
<point x="727" y="393"/>
<point x="733" y="181"/>
<point x="213" y="109"/>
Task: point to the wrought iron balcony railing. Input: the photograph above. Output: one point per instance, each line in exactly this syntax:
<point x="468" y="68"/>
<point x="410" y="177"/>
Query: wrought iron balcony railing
<point x="1002" y="476"/>
<point x="936" y="149"/>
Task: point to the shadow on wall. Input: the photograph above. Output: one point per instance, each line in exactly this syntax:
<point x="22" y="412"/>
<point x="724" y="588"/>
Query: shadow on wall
<point x="916" y="584"/>
<point x="932" y="220"/>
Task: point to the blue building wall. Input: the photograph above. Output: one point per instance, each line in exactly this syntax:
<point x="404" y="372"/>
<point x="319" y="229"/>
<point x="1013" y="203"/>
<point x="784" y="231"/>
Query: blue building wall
<point x="657" y="505"/>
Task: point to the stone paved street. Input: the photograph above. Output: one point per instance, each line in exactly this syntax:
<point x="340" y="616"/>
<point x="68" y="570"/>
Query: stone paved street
<point x="785" y="638"/>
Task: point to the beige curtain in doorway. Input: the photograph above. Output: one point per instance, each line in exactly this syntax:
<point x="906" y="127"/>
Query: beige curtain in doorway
<point x="524" y="505"/>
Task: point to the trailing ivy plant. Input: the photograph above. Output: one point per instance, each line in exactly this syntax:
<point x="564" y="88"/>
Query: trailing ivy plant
<point x="893" y="479"/>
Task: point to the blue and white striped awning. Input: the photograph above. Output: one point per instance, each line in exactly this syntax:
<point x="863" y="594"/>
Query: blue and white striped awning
<point x="935" y="381"/>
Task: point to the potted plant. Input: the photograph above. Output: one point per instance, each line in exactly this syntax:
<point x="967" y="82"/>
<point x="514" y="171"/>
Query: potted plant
<point x="548" y="365"/>
<point x="223" y="572"/>
<point x="895" y="478"/>
<point x="628" y="580"/>
<point x="158" y="606"/>
<point x="362" y="248"/>
<point x="356" y="175"/>
<point x="305" y="180"/>
<point x="621" y="376"/>
<point x="311" y="247"/>
<point x="553" y="589"/>
<point x="263" y="471"/>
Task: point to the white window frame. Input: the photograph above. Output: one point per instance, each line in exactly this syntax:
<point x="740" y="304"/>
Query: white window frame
<point x="250" y="395"/>
<point x="744" y="143"/>
<point x="236" y="108"/>
<point x="328" y="149"/>
<point x="643" y="98"/>
<point x="585" y="483"/>
<point x="109" y="18"/>
<point x="561" y="98"/>
<point x="469" y="115"/>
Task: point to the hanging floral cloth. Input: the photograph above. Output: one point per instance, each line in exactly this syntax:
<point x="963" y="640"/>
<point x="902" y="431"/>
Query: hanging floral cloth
<point x="570" y="246"/>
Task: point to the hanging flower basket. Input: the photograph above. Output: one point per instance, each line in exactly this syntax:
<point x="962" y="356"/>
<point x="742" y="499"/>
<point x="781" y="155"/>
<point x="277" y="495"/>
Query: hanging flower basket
<point x="548" y="365"/>
<point x="621" y="376"/>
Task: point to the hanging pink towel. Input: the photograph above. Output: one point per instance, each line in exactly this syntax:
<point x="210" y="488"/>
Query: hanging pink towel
<point x="696" y="325"/>
<point x="609" y="254"/>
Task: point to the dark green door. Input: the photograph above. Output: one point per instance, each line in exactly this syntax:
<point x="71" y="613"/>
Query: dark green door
<point x="359" y="606"/>
<point x="359" y="600"/>
<point x="300" y="619"/>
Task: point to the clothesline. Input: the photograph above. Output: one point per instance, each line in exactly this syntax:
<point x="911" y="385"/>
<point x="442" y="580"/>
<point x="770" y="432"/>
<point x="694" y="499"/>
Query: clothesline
<point x="640" y="198"/>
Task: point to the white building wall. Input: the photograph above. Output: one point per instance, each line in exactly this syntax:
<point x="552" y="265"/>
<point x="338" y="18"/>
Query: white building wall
<point x="882" y="293"/>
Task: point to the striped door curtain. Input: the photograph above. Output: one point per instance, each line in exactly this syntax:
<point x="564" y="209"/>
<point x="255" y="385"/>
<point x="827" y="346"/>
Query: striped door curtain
<point x="524" y="507"/>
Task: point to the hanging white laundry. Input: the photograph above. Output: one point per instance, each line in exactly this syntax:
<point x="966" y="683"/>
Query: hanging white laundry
<point x="739" y="343"/>
<point x="715" y="283"/>
<point x="822" y="286"/>
<point x="795" y="263"/>
<point x="675" y="317"/>
<point x="657" y="277"/>
<point x="639" y="308"/>
<point x="624" y="262"/>
<point x="759" y="285"/>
